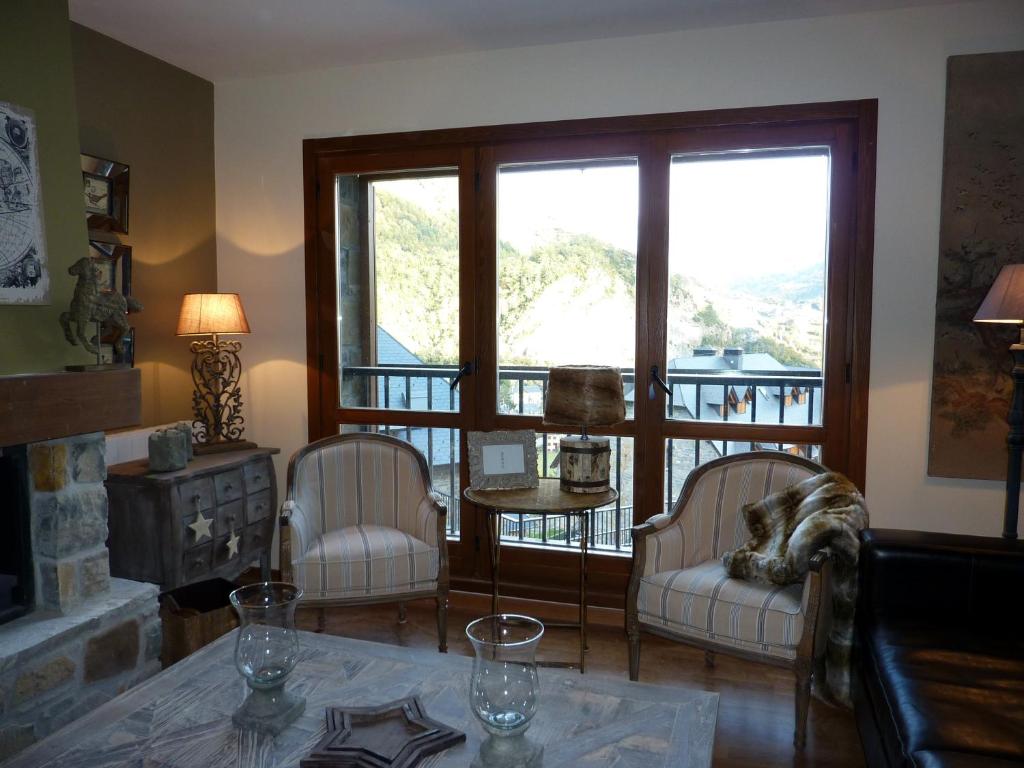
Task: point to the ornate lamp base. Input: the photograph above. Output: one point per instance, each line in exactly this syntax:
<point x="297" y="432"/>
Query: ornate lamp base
<point x="217" y="400"/>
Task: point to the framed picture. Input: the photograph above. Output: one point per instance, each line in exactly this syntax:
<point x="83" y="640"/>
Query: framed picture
<point x="24" y="278"/>
<point x="113" y="264"/>
<point x="503" y="459"/>
<point x="105" y="194"/>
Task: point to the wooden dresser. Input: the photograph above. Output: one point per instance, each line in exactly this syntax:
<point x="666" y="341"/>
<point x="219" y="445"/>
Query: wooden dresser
<point x="213" y="518"/>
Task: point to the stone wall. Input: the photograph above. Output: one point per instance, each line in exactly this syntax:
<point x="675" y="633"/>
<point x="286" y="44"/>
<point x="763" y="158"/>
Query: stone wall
<point x="69" y="520"/>
<point x="89" y="637"/>
<point x="55" y="668"/>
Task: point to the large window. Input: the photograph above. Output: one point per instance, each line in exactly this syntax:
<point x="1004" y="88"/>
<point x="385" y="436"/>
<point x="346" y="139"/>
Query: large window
<point x="721" y="260"/>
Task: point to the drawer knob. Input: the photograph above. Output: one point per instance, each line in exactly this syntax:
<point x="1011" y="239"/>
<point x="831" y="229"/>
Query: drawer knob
<point x="196" y="498"/>
<point x="197" y="562"/>
<point x="257" y="478"/>
<point x="259" y="507"/>
<point x="231" y="518"/>
<point x="228" y="486"/>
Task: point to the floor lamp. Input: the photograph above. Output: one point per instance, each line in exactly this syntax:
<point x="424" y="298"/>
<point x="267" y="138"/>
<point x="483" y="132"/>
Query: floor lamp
<point x="1004" y="303"/>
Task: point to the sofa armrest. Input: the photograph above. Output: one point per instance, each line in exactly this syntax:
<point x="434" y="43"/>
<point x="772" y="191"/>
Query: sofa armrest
<point x="936" y="579"/>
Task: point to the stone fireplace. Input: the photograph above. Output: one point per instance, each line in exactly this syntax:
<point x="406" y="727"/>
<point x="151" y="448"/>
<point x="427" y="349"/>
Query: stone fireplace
<point x="85" y="637"/>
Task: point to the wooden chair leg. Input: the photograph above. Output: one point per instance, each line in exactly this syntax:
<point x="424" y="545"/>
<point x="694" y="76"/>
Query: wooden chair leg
<point x="803" y="701"/>
<point x="709" y="659"/>
<point x="442" y="623"/>
<point x="634" y="654"/>
<point x="401" y="613"/>
<point x="321" y="619"/>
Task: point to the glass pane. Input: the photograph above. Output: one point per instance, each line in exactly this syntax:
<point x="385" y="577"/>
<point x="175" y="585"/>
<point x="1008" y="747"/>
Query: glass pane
<point x="683" y="455"/>
<point x="567" y="236"/>
<point x="611" y="524"/>
<point x="748" y="243"/>
<point x="440" y="446"/>
<point x="398" y="290"/>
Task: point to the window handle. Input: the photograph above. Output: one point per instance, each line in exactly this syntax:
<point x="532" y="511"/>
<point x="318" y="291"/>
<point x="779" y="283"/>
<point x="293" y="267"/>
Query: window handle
<point x="656" y="380"/>
<point x="466" y="370"/>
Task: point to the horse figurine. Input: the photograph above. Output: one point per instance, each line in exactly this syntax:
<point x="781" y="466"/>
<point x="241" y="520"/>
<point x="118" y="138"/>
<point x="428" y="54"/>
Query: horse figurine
<point x="91" y="305"/>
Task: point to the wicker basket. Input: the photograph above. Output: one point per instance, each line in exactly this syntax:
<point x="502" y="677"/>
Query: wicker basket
<point x="194" y="616"/>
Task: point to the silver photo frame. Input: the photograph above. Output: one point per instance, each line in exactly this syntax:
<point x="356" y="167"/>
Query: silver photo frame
<point x="502" y="460"/>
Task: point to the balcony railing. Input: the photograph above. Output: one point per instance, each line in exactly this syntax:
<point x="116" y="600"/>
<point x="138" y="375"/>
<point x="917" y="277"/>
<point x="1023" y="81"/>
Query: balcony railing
<point x="738" y="397"/>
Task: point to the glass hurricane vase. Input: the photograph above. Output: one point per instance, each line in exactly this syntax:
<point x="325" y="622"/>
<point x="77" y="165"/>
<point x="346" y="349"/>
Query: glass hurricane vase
<point x="266" y="652"/>
<point x="503" y="686"/>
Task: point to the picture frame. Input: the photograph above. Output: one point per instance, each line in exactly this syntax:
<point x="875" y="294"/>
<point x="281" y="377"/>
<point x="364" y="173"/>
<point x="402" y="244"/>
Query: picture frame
<point x="113" y="262"/>
<point x="105" y="194"/>
<point x="503" y="459"/>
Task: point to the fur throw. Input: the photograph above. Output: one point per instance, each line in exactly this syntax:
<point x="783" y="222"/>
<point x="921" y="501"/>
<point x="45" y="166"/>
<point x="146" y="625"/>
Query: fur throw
<point x="787" y="529"/>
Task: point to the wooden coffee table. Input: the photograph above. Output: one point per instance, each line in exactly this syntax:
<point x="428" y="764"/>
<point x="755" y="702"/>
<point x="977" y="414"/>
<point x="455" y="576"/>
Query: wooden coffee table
<point x="181" y="718"/>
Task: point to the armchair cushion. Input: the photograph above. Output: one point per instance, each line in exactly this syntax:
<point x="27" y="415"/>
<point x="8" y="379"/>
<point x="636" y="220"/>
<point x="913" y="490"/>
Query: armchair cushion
<point x="366" y="561"/>
<point x="703" y="603"/>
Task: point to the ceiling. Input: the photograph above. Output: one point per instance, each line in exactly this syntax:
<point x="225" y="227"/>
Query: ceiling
<point x="227" y="39"/>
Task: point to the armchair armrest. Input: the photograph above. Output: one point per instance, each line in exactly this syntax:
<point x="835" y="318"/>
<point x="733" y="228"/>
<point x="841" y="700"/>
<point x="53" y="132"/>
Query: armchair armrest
<point x="300" y="529"/>
<point x="431" y="514"/>
<point x="818" y="560"/>
<point x="657" y="545"/>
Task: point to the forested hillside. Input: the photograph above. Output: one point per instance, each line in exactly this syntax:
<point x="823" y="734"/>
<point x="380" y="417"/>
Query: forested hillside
<point x="417" y="289"/>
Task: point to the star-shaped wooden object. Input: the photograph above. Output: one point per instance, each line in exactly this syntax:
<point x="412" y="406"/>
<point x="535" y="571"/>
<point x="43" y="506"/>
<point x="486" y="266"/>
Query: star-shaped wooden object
<point x="201" y="527"/>
<point x="233" y="545"/>
<point x="394" y="735"/>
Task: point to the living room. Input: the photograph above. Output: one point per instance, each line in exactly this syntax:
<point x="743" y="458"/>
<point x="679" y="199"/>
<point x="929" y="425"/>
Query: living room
<point x="293" y="155"/>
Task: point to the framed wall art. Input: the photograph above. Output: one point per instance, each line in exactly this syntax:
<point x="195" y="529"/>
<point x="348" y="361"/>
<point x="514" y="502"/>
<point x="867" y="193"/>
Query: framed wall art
<point x="23" y="274"/>
<point x="982" y="230"/>
<point x="113" y="265"/>
<point x="503" y="459"/>
<point x="105" y="194"/>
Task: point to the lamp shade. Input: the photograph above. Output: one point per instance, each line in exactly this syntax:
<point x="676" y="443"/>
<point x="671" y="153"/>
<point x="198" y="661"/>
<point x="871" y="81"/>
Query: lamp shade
<point x="1004" y="302"/>
<point x="205" y="313"/>
<point x="584" y="395"/>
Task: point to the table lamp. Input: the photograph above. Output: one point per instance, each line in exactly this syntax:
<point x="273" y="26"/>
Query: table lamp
<point x="1004" y="303"/>
<point x="217" y="400"/>
<point x="584" y="396"/>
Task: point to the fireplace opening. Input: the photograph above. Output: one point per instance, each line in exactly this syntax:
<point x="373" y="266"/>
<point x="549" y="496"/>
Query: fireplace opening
<point x="16" y="589"/>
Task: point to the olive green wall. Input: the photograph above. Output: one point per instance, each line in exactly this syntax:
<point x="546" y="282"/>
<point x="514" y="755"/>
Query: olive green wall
<point x="158" y="119"/>
<point x="36" y="72"/>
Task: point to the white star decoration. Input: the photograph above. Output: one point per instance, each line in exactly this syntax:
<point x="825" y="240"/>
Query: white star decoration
<point x="201" y="527"/>
<point x="233" y="545"/>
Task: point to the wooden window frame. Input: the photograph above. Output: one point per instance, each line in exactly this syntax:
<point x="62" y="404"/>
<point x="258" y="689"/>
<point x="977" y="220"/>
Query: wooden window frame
<point x="475" y="150"/>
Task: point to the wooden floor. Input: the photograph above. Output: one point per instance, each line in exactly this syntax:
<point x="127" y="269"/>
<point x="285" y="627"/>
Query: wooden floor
<point x="755" y="715"/>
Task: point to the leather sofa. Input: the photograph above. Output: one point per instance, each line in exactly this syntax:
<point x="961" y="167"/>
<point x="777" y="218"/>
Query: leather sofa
<point x="938" y="676"/>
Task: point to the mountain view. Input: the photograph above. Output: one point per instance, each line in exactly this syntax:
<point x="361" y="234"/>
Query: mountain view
<point x="563" y="300"/>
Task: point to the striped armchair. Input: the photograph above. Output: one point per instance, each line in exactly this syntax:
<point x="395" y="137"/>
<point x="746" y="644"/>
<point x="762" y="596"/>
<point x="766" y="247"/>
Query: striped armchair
<point x="679" y="588"/>
<point x="361" y="524"/>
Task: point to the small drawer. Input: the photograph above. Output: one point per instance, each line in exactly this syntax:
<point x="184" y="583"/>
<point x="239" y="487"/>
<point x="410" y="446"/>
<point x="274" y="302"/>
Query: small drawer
<point x="196" y="562"/>
<point x="197" y="494"/>
<point x="228" y="518"/>
<point x="257" y="476"/>
<point x="254" y="540"/>
<point x="257" y="507"/>
<point x="229" y="485"/>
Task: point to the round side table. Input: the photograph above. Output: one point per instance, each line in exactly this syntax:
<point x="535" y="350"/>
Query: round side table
<point x="547" y="498"/>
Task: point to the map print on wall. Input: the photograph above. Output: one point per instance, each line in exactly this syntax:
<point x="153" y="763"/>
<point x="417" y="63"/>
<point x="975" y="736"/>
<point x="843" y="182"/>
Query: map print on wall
<point x="982" y="230"/>
<point x="23" y="275"/>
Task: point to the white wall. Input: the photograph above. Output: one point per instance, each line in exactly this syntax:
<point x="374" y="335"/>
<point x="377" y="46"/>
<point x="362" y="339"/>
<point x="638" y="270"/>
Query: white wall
<point x="897" y="57"/>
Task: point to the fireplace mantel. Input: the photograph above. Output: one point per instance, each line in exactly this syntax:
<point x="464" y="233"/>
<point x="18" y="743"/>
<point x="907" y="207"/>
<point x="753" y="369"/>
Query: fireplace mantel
<point x="45" y="406"/>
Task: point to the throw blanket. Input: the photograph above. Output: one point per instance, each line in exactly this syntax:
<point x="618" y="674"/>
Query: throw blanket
<point x="787" y="529"/>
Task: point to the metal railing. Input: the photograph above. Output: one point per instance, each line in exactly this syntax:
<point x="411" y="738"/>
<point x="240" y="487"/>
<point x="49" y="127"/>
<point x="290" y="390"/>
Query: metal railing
<point x="522" y="390"/>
